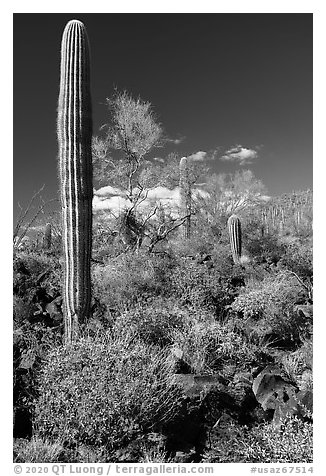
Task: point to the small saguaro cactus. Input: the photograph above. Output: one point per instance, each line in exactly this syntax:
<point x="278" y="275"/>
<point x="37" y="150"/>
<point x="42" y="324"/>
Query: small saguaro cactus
<point x="185" y="194"/>
<point x="47" y="237"/>
<point x="74" y="128"/>
<point x="234" y="226"/>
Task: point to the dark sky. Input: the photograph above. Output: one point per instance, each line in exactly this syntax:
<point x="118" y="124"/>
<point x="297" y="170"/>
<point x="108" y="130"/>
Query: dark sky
<point x="216" y="80"/>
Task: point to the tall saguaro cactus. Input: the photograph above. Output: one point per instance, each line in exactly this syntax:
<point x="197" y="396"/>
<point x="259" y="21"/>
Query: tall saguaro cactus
<point x="74" y="128"/>
<point x="185" y="194"/>
<point x="234" y="226"/>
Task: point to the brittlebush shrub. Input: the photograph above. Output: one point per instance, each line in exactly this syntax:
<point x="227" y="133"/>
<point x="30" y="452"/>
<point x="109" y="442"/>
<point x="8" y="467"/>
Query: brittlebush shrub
<point x="130" y="279"/>
<point x="268" y="307"/>
<point x="207" y="346"/>
<point x="299" y="364"/>
<point x="292" y="443"/>
<point x="155" y="321"/>
<point x="37" y="450"/>
<point x="104" y="391"/>
<point x="193" y="335"/>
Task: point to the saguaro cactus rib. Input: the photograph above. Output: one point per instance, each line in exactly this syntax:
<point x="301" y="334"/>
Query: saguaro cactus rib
<point x="74" y="130"/>
<point x="234" y="227"/>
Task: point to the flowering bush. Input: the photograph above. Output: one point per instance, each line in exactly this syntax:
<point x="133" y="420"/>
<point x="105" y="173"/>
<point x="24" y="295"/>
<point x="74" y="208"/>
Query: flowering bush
<point x="104" y="391"/>
<point x="263" y="444"/>
<point x="273" y="296"/>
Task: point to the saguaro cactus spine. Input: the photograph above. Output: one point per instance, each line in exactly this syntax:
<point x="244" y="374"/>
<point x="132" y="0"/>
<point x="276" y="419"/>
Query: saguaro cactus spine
<point x="74" y="128"/>
<point x="185" y="194"/>
<point x="234" y="226"/>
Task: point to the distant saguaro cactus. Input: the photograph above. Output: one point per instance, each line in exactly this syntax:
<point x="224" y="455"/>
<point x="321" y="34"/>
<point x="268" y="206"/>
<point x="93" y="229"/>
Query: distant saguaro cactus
<point x="234" y="226"/>
<point x="47" y="237"/>
<point x="185" y="194"/>
<point x="74" y="128"/>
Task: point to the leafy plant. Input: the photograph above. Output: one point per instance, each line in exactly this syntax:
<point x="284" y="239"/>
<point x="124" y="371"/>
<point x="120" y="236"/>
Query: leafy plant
<point x="105" y="391"/>
<point x="263" y="443"/>
<point x="37" y="450"/>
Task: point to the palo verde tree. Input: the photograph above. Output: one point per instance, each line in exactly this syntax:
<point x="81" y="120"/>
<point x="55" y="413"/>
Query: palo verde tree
<point x="122" y="159"/>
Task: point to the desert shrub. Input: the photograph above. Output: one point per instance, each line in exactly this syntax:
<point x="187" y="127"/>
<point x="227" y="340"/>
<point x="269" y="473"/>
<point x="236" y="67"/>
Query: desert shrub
<point x="267" y="308"/>
<point x="298" y="365"/>
<point x="22" y="310"/>
<point x="265" y="249"/>
<point x="207" y="345"/>
<point x="201" y="242"/>
<point x="32" y="338"/>
<point x="130" y="278"/>
<point x="154" y="321"/>
<point x="31" y="343"/>
<point x="104" y="391"/>
<point x="299" y="259"/>
<point x="263" y="444"/>
<point x="31" y="269"/>
<point x="193" y="335"/>
<point x="222" y="259"/>
<point x="274" y="295"/>
<point x="200" y="286"/>
<point x="37" y="450"/>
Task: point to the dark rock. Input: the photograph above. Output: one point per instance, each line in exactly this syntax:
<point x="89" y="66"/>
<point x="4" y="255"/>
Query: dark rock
<point x="270" y="388"/>
<point x="237" y="281"/>
<point x="185" y="456"/>
<point x="41" y="296"/>
<point x="275" y="393"/>
<point x="305" y="400"/>
<point x="22" y="423"/>
<point x="304" y="310"/>
<point x="53" y="309"/>
<point x="197" y="385"/>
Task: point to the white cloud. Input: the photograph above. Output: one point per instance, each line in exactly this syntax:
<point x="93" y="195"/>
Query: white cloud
<point x="198" y="156"/>
<point x="240" y="154"/>
<point x="107" y="191"/>
<point x="159" y="193"/>
<point x="177" y="141"/>
<point x="104" y="199"/>
<point x="159" y="159"/>
<point x="115" y="204"/>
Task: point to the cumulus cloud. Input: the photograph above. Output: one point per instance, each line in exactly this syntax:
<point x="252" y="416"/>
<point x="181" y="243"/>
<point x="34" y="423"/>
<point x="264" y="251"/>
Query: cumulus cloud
<point x="113" y="199"/>
<point x="113" y="203"/>
<point x="198" y="156"/>
<point x="159" y="193"/>
<point x="107" y="191"/>
<point x="178" y="140"/>
<point x="240" y="154"/>
<point x="103" y="199"/>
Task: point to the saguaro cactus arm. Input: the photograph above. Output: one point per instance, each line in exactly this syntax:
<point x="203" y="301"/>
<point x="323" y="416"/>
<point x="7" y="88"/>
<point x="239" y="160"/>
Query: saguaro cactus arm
<point x="74" y="128"/>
